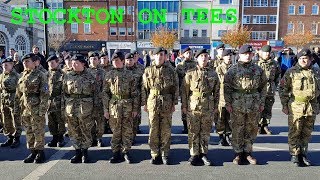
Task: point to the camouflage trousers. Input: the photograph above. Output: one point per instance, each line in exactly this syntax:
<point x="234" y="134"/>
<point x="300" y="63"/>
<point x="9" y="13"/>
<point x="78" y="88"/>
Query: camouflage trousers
<point x="80" y="130"/>
<point x="98" y="126"/>
<point x="199" y="125"/>
<point x="56" y="123"/>
<point x="136" y="123"/>
<point x="11" y="124"/>
<point x="244" y="130"/>
<point x="34" y="127"/>
<point x="267" y="112"/>
<point x="121" y="124"/>
<point x="160" y="133"/>
<point x="300" y="129"/>
<point x="223" y="124"/>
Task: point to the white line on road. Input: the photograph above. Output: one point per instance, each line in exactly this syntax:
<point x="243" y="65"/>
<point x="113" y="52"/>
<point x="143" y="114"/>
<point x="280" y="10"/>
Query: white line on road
<point x="44" y="168"/>
<point x="271" y="149"/>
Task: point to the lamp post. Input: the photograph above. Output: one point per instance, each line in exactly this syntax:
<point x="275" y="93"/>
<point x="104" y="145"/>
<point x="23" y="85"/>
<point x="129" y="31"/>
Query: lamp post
<point x="44" y="6"/>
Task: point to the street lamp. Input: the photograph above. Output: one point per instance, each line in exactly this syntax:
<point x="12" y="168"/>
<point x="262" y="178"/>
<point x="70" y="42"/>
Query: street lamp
<point x="44" y="6"/>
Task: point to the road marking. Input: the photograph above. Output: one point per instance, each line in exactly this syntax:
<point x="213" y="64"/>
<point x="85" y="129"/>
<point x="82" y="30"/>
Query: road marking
<point x="267" y="148"/>
<point x="45" y="167"/>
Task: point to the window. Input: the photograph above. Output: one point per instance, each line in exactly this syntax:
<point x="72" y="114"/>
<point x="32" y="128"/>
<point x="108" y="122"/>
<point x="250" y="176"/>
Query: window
<point x="258" y="35"/>
<point x="195" y="16"/>
<point x="130" y="10"/>
<point x="273" y="19"/>
<point x="246" y="3"/>
<point x="122" y="31"/>
<point x="260" y="3"/>
<point x="186" y="33"/>
<point x="301" y="9"/>
<point x="86" y="13"/>
<point x="113" y="31"/>
<point x="259" y="20"/>
<point x="122" y="7"/>
<point x="195" y="33"/>
<point x="300" y="27"/>
<point x="290" y="28"/>
<point x="204" y="33"/>
<point x="315" y="10"/>
<point x="147" y="34"/>
<point x="272" y="35"/>
<point x="291" y="9"/>
<point x="274" y="3"/>
<point x="225" y="1"/>
<point x="221" y="32"/>
<point x="74" y="28"/>
<point x="87" y="28"/>
<point x="246" y="19"/>
<point x="130" y="32"/>
<point x="20" y="44"/>
<point x="314" y="28"/>
<point x="224" y="17"/>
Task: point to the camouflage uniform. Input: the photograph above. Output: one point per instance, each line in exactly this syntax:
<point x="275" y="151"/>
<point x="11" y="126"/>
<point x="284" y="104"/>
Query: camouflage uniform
<point x="107" y="128"/>
<point x="216" y="62"/>
<point x="299" y="90"/>
<point x="66" y="70"/>
<point x="160" y="93"/>
<point x="273" y="72"/>
<point x="42" y="69"/>
<point x="245" y="91"/>
<point x="181" y="70"/>
<point x="200" y="96"/>
<point x="98" y="128"/>
<point x="137" y="73"/>
<point x="11" y="123"/>
<point x="32" y="95"/>
<point x="56" y="119"/>
<point x="120" y="99"/>
<point x="223" y="121"/>
<point x="80" y="101"/>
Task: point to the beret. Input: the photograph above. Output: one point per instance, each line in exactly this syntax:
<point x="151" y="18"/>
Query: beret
<point x="266" y="48"/>
<point x="227" y="52"/>
<point x="101" y="54"/>
<point x="135" y="52"/>
<point x="8" y="59"/>
<point x="220" y="46"/>
<point x="93" y="54"/>
<point x="158" y="50"/>
<point x="186" y="49"/>
<point x="52" y="57"/>
<point x="78" y="57"/>
<point x="129" y="55"/>
<point x="201" y="51"/>
<point x="27" y="56"/>
<point x="304" y="52"/>
<point x="117" y="54"/>
<point x="245" y="48"/>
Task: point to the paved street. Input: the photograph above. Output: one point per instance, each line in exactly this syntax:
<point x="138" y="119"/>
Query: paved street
<point x="271" y="152"/>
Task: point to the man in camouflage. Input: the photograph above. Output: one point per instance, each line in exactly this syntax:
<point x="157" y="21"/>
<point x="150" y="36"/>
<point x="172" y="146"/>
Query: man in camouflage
<point x="223" y="121"/>
<point x="39" y="66"/>
<point x="181" y="69"/>
<point x="245" y="86"/>
<point x="11" y="123"/>
<point x="98" y="73"/>
<point x="80" y="100"/>
<point x="68" y="64"/>
<point x="299" y="94"/>
<point x="273" y="73"/>
<point x="56" y="120"/>
<point x="31" y="100"/>
<point x="200" y="98"/>
<point x="160" y="93"/>
<point x="121" y="103"/>
<point x="218" y="59"/>
<point x="137" y="73"/>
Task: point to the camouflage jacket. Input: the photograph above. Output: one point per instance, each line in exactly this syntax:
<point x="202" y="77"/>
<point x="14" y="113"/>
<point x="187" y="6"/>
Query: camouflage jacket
<point x="245" y="87"/>
<point x="107" y="67"/>
<point x="140" y="66"/>
<point x="221" y="71"/>
<point x="79" y="91"/>
<point x="120" y="85"/>
<point x="182" y="69"/>
<point x="32" y="93"/>
<point x="8" y="85"/>
<point x="99" y="75"/>
<point x="40" y="67"/>
<point x="273" y="73"/>
<point x="55" y="78"/>
<point x="66" y="70"/>
<point x="160" y="87"/>
<point x="299" y="90"/>
<point x="200" y="90"/>
<point x="216" y="62"/>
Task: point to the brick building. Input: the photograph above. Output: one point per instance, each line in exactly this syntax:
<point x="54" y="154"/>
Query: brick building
<point x="93" y="36"/>
<point x="262" y="16"/>
<point x="300" y="15"/>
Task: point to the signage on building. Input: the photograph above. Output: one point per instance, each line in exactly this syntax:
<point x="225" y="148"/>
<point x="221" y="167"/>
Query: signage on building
<point x="84" y="46"/>
<point x="120" y="45"/>
<point x="275" y="43"/>
<point x="257" y="44"/>
<point x="143" y="44"/>
<point x="196" y="46"/>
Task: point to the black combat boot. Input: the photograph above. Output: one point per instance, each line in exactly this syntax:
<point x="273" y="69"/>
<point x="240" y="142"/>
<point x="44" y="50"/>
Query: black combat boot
<point x="305" y="160"/>
<point x="54" y="141"/>
<point x="116" y="158"/>
<point x="77" y="157"/>
<point x="193" y="160"/>
<point x="61" y="141"/>
<point x="40" y="158"/>
<point x="295" y="160"/>
<point x="31" y="157"/>
<point x="238" y="159"/>
<point x="185" y="127"/>
<point x="251" y="159"/>
<point x="205" y="160"/>
<point x="16" y="142"/>
<point x="267" y="130"/>
<point x="8" y="142"/>
<point x="224" y="141"/>
<point x="127" y="158"/>
<point x="94" y="142"/>
<point x="221" y="139"/>
<point x="228" y="139"/>
<point x="165" y="160"/>
<point x="85" y="157"/>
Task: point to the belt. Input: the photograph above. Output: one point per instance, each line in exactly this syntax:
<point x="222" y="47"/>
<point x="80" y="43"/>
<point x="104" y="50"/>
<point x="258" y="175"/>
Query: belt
<point x="247" y="91"/>
<point x="201" y="94"/>
<point x="32" y="94"/>
<point x="301" y="99"/>
<point x="119" y="96"/>
<point x="157" y="92"/>
<point x="79" y="96"/>
<point x="7" y="91"/>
